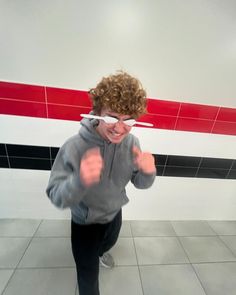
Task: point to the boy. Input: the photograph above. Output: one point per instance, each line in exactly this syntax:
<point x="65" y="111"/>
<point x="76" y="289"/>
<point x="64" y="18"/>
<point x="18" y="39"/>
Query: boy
<point x="92" y="169"/>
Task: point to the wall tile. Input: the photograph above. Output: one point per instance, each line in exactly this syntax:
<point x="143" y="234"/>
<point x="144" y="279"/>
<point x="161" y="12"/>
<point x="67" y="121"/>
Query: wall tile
<point x="68" y="97"/>
<point x="54" y="151"/>
<point x="183" y="161"/>
<point x="22" y="92"/>
<point x="198" y="111"/>
<point x="232" y="174"/>
<point x="228" y="128"/>
<point x="159" y="170"/>
<point x="66" y="112"/>
<point x="23" y="108"/>
<point x="216" y="163"/>
<point x="212" y="173"/>
<point x="163" y="107"/>
<point x="180" y="171"/>
<point x="160" y="160"/>
<point x="28" y="163"/>
<point x="2" y="150"/>
<point x="227" y="114"/>
<point x="196" y="125"/>
<point x="159" y="121"/>
<point x="4" y="162"/>
<point x="15" y="150"/>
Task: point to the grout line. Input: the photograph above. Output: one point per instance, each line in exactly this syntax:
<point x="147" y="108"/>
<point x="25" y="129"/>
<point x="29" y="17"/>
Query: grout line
<point x="48" y="103"/>
<point x="50" y="151"/>
<point x="8" y="160"/>
<point x="230" y="169"/>
<point x="231" y="251"/>
<point x="199" y="166"/>
<point x="135" y="250"/>
<point x="46" y="100"/>
<point x="177" y="116"/>
<point x="15" y="268"/>
<point x="191" y="264"/>
<point x="19" y="157"/>
<point x="215" y="120"/>
<point x="163" y="172"/>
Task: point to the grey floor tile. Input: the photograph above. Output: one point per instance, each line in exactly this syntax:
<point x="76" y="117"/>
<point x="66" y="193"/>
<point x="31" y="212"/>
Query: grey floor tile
<point x="125" y="229"/>
<point x="54" y="228"/>
<point x="18" y="227"/>
<point x="48" y="252"/>
<point x="120" y="280"/>
<point x="159" y="250"/>
<point x="206" y="249"/>
<point x="42" y="281"/>
<point x="5" y="275"/>
<point x="170" y="280"/>
<point x="223" y="227"/>
<point x="11" y="251"/>
<point x="192" y="228"/>
<point x="153" y="228"/>
<point x="230" y="241"/>
<point x="124" y="252"/>
<point x="217" y="278"/>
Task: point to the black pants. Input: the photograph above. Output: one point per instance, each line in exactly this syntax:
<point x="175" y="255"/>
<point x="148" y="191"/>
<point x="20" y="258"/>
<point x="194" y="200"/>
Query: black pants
<point x="88" y="243"/>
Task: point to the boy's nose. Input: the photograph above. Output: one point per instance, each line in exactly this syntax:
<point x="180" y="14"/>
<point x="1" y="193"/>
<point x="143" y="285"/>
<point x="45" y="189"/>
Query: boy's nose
<point x="119" y="126"/>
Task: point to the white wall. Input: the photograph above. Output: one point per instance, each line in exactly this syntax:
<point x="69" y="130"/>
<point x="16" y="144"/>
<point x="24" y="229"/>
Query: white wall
<point x="181" y="50"/>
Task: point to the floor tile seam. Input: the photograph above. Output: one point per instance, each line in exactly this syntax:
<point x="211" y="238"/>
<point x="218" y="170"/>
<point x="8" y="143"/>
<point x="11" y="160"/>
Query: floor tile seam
<point x="200" y="282"/>
<point x="31" y="239"/>
<point x="117" y="265"/>
<point x="171" y="222"/>
<point x="199" y="279"/>
<point x="44" y="267"/>
<point x="208" y="222"/>
<point x="180" y="236"/>
<point x="214" y="262"/>
<point x="148" y="264"/>
<point x="231" y="251"/>
<point x="51" y="237"/>
<point x="20" y="259"/>
<point x="180" y="263"/>
<point x="136" y="255"/>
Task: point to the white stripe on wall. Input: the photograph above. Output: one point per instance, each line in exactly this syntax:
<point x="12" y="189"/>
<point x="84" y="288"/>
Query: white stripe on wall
<point x="50" y="132"/>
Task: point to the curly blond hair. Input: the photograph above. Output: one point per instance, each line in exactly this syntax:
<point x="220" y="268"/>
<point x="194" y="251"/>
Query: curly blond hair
<point x="120" y="93"/>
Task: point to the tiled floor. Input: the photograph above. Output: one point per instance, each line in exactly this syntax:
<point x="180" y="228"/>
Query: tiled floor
<point x="152" y="258"/>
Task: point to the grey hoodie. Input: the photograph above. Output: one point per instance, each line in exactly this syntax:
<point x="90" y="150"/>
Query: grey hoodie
<point x="100" y="202"/>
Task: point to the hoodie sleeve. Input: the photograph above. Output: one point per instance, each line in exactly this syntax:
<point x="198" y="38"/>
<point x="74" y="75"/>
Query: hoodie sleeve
<point x="64" y="187"/>
<point x="139" y="179"/>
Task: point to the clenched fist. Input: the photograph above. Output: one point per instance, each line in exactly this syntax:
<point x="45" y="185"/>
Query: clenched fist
<point x="144" y="161"/>
<point x="91" y="167"/>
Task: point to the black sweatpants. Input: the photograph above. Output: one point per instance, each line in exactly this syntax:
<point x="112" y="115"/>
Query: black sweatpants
<point x="88" y="243"/>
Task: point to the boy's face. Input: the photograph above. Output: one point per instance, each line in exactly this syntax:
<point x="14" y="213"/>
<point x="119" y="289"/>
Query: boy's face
<point x="114" y="132"/>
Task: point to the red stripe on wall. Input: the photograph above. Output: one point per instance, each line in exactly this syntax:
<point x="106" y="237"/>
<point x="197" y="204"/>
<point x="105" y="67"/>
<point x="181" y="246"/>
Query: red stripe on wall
<point x="67" y="104"/>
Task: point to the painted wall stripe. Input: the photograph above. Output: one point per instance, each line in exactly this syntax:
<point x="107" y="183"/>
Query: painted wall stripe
<point x="67" y="104"/>
<point x="41" y="158"/>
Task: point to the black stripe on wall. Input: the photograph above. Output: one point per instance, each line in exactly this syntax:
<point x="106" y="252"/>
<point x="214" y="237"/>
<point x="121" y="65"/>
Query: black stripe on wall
<point x="42" y="158"/>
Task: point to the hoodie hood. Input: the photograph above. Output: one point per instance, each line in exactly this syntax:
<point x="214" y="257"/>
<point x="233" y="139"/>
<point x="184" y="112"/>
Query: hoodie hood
<point x="88" y="131"/>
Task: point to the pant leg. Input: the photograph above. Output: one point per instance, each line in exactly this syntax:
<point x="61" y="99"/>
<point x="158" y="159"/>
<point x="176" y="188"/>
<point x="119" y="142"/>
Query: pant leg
<point x="111" y="234"/>
<point x="85" y="240"/>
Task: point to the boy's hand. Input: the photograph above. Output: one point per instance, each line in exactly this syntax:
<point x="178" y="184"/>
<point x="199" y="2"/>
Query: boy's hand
<point x="144" y="161"/>
<point x="91" y="167"/>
